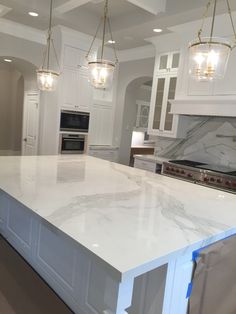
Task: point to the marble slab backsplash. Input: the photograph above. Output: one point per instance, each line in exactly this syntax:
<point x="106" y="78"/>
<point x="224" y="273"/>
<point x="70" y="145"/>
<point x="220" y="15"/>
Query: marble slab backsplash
<point x="209" y="139"/>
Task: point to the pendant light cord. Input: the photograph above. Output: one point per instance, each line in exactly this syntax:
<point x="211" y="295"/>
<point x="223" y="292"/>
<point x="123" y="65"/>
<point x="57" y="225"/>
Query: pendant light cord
<point x="49" y="36"/>
<point x="232" y="22"/>
<point x="213" y="20"/>
<point x="105" y="21"/>
<point x="104" y="28"/>
<point x="203" y="20"/>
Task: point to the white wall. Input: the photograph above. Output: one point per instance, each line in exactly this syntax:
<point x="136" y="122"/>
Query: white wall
<point x="131" y="76"/>
<point x="128" y="72"/>
<point x="144" y="93"/>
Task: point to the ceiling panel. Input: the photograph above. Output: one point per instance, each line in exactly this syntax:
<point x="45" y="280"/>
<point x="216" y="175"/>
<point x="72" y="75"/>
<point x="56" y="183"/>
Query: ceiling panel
<point x="130" y="23"/>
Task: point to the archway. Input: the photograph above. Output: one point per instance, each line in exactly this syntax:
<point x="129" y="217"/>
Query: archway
<point x="132" y="95"/>
<point x="16" y="77"/>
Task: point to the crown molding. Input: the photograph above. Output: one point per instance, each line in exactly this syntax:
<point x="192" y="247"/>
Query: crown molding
<point x="138" y="53"/>
<point x="22" y="31"/>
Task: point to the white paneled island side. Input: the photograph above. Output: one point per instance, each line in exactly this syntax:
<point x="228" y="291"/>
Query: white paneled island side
<point x="107" y="238"/>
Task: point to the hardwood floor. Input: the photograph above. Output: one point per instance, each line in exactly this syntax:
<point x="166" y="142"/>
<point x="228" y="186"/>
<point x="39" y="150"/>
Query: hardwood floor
<point x="22" y="291"/>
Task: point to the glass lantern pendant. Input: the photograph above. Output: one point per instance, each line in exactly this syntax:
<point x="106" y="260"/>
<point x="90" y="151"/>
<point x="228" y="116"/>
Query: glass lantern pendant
<point x="101" y="71"/>
<point x="208" y="56"/>
<point x="46" y="77"/>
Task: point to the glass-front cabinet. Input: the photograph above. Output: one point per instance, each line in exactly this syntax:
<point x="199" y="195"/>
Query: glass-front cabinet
<point x="161" y="121"/>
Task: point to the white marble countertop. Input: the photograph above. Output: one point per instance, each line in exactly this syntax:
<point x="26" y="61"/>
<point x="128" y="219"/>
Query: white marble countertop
<point x="151" y="158"/>
<point x="128" y="217"/>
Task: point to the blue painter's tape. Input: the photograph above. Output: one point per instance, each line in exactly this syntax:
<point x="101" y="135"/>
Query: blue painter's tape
<point x="195" y="255"/>
<point x="189" y="291"/>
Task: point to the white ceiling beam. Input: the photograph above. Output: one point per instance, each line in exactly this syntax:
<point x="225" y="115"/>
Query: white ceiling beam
<point x="70" y="5"/>
<point x="152" y="6"/>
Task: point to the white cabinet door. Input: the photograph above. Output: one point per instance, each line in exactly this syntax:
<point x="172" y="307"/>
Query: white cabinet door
<point x="56" y="257"/>
<point x="157" y="103"/>
<point x="168" y="62"/>
<point x="101" y="125"/>
<point x="77" y="91"/>
<point x="168" y="117"/>
<point x="19" y="228"/>
<point x="74" y="58"/>
<point x="69" y="89"/>
<point x="84" y="90"/>
<point x="161" y="121"/>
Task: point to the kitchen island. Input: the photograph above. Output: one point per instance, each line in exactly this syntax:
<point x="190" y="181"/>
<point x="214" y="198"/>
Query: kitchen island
<point x="109" y="239"/>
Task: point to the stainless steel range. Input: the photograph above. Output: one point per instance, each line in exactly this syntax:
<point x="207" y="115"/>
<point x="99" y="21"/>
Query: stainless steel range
<point x="217" y="177"/>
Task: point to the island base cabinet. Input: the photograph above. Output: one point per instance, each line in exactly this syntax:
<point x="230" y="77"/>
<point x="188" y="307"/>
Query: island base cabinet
<point x="3" y="212"/>
<point x="87" y="284"/>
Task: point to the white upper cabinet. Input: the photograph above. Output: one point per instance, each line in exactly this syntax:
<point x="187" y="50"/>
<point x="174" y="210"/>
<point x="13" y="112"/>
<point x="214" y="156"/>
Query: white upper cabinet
<point x="74" y="57"/>
<point x="168" y="62"/>
<point x="161" y="121"/>
<point x="77" y="93"/>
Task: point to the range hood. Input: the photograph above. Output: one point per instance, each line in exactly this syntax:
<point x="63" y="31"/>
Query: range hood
<point x="204" y="107"/>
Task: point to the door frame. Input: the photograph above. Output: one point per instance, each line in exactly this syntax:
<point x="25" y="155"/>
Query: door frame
<point x="28" y="94"/>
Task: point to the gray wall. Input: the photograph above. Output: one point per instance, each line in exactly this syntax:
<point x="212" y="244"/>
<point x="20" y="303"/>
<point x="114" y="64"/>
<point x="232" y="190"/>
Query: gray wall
<point x="11" y="109"/>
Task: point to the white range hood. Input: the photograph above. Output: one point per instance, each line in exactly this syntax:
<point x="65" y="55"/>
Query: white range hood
<point x="204" y="107"/>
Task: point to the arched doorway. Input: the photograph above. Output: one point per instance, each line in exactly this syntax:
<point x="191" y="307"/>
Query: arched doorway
<point x="135" y="93"/>
<point x="17" y="78"/>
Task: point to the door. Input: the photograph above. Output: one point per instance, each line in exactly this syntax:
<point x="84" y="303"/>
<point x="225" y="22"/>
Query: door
<point x="30" y="124"/>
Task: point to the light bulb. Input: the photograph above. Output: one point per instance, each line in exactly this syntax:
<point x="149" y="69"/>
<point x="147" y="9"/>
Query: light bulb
<point x="101" y="73"/>
<point x="208" y="58"/>
<point x="47" y="80"/>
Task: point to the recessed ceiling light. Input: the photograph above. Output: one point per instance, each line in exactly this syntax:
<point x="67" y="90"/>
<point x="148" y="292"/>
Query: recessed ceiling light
<point x="8" y="60"/>
<point x="33" y="14"/>
<point x="157" y="30"/>
<point x="111" y="41"/>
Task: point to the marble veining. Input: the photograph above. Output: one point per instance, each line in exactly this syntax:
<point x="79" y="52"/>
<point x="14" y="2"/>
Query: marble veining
<point x="126" y="216"/>
<point x="209" y="139"/>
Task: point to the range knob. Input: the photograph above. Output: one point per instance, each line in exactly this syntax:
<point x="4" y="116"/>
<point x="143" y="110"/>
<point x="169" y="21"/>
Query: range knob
<point x="167" y="168"/>
<point x="228" y="183"/>
<point x="177" y="170"/>
<point x="182" y="172"/>
<point x="206" y="179"/>
<point x="212" y="179"/>
<point x="190" y="175"/>
<point x="219" y="180"/>
<point x="234" y="184"/>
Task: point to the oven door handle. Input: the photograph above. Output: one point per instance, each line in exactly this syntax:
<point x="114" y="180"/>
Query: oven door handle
<point x="73" y="140"/>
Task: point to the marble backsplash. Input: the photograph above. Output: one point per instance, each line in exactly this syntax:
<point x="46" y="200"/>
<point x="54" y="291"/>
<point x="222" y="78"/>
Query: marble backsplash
<point x="209" y="139"/>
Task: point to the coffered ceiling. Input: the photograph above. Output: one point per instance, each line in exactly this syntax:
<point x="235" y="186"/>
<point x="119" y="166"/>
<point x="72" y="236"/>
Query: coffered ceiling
<point x="132" y="20"/>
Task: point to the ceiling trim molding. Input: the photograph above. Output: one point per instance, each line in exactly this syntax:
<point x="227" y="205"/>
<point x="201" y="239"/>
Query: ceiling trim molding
<point x="22" y="31"/>
<point x="151" y="6"/>
<point x="138" y="53"/>
<point x="4" y="10"/>
<point x="69" y="6"/>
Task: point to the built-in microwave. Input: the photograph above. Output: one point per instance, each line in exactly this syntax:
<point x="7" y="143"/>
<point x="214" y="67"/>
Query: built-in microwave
<point x="73" y="143"/>
<point x="74" y="121"/>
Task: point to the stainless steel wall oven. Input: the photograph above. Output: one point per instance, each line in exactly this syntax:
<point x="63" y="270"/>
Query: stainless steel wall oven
<point x="73" y="121"/>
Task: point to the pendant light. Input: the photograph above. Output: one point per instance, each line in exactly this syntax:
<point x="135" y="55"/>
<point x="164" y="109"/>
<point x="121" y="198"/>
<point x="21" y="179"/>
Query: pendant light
<point x="46" y="77"/>
<point x="209" y="55"/>
<point x="101" y="70"/>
